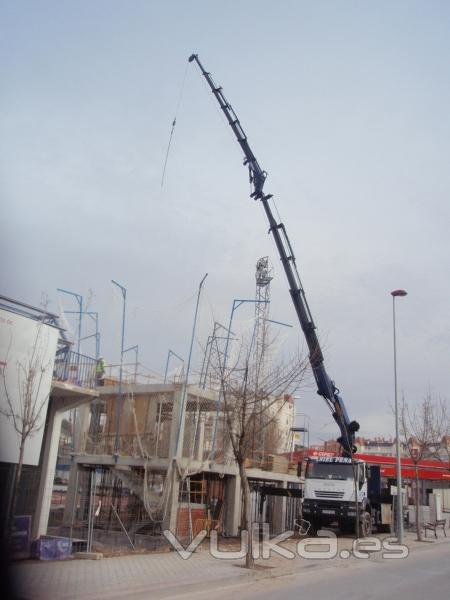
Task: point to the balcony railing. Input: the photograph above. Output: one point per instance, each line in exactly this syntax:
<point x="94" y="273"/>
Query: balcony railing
<point x="75" y="368"/>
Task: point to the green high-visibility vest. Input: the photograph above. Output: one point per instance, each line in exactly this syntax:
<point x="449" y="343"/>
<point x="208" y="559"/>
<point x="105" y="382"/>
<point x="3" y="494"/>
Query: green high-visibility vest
<point x="100" y="369"/>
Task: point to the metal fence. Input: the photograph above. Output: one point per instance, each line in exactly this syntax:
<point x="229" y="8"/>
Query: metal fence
<point x="75" y="368"/>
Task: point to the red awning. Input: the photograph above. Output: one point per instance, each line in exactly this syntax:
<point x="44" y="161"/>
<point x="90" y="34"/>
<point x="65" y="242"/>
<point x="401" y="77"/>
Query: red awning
<point x="428" y="469"/>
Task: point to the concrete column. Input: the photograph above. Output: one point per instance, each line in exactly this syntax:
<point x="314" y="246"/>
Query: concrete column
<point x="228" y="454"/>
<point x="83" y="416"/>
<point x="174" y="434"/>
<point x="279" y="512"/>
<point x="152" y="411"/>
<point x="201" y="437"/>
<point x="72" y="493"/>
<point x="233" y="505"/>
<point x="172" y="514"/>
<point x="151" y="421"/>
<point x="49" y="456"/>
<point x="56" y="408"/>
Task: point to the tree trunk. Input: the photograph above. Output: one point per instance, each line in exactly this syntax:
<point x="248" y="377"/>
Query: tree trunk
<point x="249" y="560"/>
<point x="15" y="494"/>
<point x="417" y="502"/>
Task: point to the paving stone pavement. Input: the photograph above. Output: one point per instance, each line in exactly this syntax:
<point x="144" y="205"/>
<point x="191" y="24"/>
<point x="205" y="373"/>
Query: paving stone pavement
<point x="118" y="576"/>
<point x="157" y="575"/>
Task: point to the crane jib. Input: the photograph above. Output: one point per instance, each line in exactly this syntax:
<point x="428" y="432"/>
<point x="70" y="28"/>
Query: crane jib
<point x="325" y="386"/>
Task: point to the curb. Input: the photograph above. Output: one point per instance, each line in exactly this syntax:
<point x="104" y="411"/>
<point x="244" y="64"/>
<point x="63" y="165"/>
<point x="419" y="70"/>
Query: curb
<point x="162" y="590"/>
<point x="275" y="572"/>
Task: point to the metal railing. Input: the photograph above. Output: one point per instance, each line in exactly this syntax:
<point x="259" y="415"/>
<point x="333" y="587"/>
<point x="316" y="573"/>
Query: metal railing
<point x="75" y="368"/>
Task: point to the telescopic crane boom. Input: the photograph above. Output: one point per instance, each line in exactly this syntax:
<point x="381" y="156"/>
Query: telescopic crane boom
<point x="325" y="386"/>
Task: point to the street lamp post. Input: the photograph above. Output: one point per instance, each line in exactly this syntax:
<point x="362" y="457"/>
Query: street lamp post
<point x="119" y="395"/>
<point x="188" y="369"/>
<point x="94" y="317"/>
<point x="79" y="299"/>
<point x="96" y="335"/>
<point x="397" y="294"/>
<point x="169" y="354"/>
<point x="136" y="359"/>
<point x="208" y="351"/>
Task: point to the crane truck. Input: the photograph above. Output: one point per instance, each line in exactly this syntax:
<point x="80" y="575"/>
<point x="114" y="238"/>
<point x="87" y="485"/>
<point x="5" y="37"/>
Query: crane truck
<point x="340" y="488"/>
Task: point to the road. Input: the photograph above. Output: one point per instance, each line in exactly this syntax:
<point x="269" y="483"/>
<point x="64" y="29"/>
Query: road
<point x="425" y="574"/>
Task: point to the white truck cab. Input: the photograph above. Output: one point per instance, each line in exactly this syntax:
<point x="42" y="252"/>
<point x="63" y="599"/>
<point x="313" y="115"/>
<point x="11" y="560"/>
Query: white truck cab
<point x="329" y="493"/>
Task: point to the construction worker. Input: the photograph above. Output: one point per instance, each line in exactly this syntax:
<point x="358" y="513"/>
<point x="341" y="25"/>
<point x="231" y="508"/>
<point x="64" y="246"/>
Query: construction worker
<point x="100" y="371"/>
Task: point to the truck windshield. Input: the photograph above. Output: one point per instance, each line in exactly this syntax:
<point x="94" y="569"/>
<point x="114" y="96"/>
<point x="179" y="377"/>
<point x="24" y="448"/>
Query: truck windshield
<point x="338" y="471"/>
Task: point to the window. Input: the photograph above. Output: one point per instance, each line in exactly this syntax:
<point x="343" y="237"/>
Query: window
<point x="335" y="471"/>
<point x="193" y="490"/>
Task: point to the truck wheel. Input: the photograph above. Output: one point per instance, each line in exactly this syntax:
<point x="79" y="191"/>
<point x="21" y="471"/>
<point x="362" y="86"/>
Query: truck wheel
<point x="366" y="524"/>
<point x="314" y="528"/>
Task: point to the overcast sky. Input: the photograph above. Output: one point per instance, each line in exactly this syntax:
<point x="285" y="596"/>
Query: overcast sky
<point x="345" y="104"/>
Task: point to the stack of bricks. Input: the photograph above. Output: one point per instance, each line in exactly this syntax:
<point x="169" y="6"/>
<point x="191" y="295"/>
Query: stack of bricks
<point x="183" y="519"/>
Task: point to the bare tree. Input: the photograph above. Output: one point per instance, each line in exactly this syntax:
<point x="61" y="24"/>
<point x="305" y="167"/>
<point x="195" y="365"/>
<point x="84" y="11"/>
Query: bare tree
<point x="23" y="405"/>
<point x="252" y="403"/>
<point x="422" y="429"/>
<point x="445" y="445"/>
<point x="441" y="450"/>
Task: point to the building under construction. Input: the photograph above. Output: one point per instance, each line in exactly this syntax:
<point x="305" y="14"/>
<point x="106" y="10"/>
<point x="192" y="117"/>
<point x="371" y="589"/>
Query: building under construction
<point x="157" y="458"/>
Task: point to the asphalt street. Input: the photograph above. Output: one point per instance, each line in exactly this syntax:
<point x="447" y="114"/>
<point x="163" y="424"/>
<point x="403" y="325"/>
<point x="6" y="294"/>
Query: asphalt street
<point x="424" y="575"/>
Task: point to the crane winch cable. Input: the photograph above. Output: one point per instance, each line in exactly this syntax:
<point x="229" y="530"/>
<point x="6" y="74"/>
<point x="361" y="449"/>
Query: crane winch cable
<point x="174" y="122"/>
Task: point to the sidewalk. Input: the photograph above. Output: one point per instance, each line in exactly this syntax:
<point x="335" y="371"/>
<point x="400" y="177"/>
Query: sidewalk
<point x="164" y="575"/>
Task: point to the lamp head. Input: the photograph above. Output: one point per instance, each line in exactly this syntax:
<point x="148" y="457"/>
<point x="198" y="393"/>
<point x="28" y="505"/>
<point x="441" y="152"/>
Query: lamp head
<point x="396" y="293"/>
